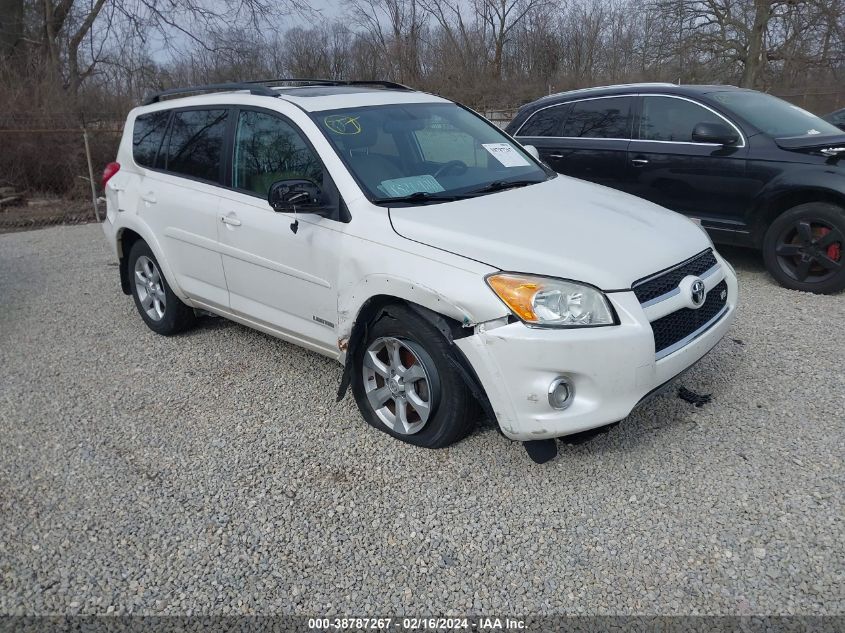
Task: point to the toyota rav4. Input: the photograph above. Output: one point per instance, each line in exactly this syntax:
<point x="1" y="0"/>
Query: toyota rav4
<point x="438" y="260"/>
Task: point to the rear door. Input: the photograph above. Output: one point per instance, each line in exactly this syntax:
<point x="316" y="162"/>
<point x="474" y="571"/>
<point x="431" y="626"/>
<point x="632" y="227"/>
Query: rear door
<point x="179" y="199"/>
<point x="587" y="139"/>
<point x="703" y="180"/>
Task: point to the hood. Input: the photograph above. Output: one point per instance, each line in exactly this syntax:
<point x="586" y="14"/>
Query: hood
<point x="563" y="227"/>
<point x="811" y="142"/>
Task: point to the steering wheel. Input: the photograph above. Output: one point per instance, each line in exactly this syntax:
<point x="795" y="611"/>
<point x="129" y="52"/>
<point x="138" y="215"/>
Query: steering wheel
<point x="458" y="165"/>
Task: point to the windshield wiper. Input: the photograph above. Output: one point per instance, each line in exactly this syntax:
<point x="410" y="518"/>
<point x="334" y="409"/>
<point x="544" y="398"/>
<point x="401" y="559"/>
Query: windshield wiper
<point x="420" y="196"/>
<point x="501" y="185"/>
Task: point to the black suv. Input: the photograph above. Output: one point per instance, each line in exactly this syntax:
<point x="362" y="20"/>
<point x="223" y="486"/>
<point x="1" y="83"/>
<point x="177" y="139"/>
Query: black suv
<point x="755" y="170"/>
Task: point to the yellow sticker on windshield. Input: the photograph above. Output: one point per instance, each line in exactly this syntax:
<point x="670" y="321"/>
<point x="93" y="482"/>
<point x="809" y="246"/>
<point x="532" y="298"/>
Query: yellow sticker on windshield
<point x="343" y="124"/>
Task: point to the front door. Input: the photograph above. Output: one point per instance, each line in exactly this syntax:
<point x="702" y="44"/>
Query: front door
<point x="278" y="278"/>
<point x="701" y="180"/>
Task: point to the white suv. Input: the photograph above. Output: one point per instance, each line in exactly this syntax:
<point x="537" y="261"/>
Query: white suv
<point x="428" y="252"/>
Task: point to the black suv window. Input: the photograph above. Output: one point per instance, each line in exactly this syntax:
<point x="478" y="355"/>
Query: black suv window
<point x="600" y="118"/>
<point x="268" y="149"/>
<point x="147" y="136"/>
<point x="670" y="119"/>
<point x="546" y="122"/>
<point x="196" y="143"/>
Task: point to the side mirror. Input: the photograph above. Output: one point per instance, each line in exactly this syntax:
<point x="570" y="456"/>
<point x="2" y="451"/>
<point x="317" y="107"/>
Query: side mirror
<point x="532" y="151"/>
<point x="714" y="133"/>
<point x="295" y="194"/>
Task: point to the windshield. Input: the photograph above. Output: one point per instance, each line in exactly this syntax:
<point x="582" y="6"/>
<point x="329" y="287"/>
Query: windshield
<point x="430" y="152"/>
<point x="774" y="116"/>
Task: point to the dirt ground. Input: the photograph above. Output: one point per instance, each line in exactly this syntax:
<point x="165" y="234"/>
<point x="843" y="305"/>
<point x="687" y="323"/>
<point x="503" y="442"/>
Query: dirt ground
<point x="40" y="212"/>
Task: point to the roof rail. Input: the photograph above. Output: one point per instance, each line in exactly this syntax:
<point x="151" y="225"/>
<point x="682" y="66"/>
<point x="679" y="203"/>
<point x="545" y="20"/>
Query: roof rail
<point x="391" y="85"/>
<point x="261" y="87"/>
<point x="253" y="88"/>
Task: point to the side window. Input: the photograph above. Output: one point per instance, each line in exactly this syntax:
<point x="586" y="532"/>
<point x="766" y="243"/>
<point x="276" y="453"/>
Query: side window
<point x="441" y="142"/>
<point x="547" y="122"/>
<point x="268" y="149"/>
<point x="147" y="136"/>
<point x="196" y="143"/>
<point x="669" y="119"/>
<point x="600" y="118"/>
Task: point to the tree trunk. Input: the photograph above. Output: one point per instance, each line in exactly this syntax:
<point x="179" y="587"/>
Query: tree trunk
<point x="11" y="27"/>
<point x="755" y="57"/>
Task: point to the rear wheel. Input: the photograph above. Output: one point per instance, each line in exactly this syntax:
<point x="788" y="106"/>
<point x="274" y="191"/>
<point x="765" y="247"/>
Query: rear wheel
<point x="157" y="304"/>
<point x="803" y="248"/>
<point x="406" y="385"/>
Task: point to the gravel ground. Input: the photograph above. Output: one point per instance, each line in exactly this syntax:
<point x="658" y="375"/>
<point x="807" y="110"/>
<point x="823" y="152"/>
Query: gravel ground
<point x="214" y="473"/>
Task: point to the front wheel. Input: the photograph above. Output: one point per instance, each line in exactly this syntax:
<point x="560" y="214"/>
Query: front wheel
<point x="405" y="383"/>
<point x="803" y="248"/>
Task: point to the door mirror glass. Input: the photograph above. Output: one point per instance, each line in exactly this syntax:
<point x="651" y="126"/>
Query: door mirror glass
<point x="295" y="194"/>
<point x="714" y="133"/>
<point x="532" y="151"/>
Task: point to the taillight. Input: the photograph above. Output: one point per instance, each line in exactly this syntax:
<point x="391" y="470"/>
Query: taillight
<point x="110" y="170"/>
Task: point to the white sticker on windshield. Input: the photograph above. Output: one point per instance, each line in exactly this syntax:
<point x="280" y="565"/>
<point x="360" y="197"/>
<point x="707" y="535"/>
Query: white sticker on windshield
<point x="505" y="154"/>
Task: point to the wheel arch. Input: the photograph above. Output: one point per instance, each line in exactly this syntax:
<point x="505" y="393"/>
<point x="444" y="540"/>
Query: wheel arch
<point x="781" y="201"/>
<point x="126" y="236"/>
<point x="446" y="321"/>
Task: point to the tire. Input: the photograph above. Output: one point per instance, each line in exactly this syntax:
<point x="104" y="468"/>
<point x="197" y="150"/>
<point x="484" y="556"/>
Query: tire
<point x="424" y="356"/>
<point x="804" y="248"/>
<point x="158" y="306"/>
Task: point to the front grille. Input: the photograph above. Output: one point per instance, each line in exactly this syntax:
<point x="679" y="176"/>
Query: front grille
<point x="656" y="286"/>
<point x="676" y="326"/>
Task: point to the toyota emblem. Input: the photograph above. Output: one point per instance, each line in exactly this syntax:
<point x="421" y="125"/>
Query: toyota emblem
<point x="697" y="293"/>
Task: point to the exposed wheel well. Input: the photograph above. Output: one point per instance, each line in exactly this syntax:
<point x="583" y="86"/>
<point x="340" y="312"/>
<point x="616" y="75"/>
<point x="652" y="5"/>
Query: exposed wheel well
<point x="790" y="199"/>
<point x="125" y="239"/>
<point x="451" y="329"/>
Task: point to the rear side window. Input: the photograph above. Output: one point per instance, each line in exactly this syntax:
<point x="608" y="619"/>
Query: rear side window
<point x="147" y="136"/>
<point x="547" y="122"/>
<point x="195" y="143"/>
<point x="600" y="118"/>
<point x="669" y="119"/>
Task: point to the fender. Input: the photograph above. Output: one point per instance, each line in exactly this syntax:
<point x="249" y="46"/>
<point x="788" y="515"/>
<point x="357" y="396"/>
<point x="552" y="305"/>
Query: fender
<point x="134" y="223"/>
<point x="794" y="186"/>
<point x="467" y="312"/>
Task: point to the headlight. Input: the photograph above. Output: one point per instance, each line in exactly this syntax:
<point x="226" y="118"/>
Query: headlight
<point x="550" y="302"/>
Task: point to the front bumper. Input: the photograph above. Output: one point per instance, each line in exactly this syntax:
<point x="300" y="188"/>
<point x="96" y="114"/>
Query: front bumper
<point x="612" y="368"/>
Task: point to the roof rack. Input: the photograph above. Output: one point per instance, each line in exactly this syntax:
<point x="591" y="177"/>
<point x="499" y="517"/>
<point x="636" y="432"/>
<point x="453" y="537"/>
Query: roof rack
<point x="261" y="87"/>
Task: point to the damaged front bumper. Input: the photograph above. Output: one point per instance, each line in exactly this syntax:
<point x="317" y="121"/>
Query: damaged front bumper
<point x="612" y="368"/>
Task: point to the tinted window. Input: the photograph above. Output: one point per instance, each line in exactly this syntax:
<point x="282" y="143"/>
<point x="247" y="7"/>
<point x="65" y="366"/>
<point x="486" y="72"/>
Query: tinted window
<point x="196" y="143"/>
<point x="268" y="149"/>
<point x="147" y="136"/>
<point x="599" y="118"/>
<point x="667" y="119"/>
<point x="547" y="122"/>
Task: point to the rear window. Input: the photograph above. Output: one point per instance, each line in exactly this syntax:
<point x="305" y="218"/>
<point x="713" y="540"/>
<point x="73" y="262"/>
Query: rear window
<point x="147" y="137"/>
<point x="599" y="118"/>
<point x="195" y="145"/>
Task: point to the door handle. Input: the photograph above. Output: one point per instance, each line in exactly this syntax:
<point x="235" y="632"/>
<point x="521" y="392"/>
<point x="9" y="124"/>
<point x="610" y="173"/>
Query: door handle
<point x="149" y="197"/>
<point x="555" y="155"/>
<point x="230" y="220"/>
<point x="639" y="162"/>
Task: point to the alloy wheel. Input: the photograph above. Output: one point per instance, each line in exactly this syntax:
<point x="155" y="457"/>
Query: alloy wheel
<point x="399" y="386"/>
<point x="810" y="250"/>
<point x="149" y="286"/>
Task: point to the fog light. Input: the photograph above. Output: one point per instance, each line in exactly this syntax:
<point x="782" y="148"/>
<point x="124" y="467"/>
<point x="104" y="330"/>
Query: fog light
<point x="561" y="392"/>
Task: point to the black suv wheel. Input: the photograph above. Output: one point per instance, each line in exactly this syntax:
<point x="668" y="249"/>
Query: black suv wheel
<point x="803" y="248"/>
